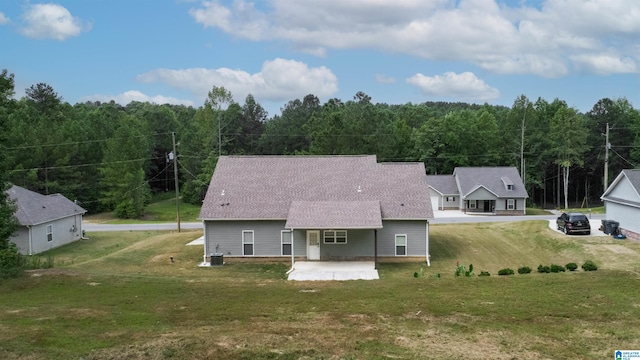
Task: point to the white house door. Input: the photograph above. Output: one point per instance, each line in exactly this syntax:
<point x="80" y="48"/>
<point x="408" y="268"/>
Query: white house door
<point x="313" y="244"/>
<point x="435" y="202"/>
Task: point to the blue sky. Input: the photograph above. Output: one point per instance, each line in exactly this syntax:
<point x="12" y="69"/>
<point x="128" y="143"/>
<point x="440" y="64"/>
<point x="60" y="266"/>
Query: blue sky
<point x="397" y="51"/>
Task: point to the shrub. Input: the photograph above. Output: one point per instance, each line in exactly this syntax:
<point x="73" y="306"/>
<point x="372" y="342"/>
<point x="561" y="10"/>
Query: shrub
<point x="544" y="269"/>
<point x="506" y="271"/>
<point x="524" y="270"/>
<point x="12" y="263"/>
<point x="589" y="266"/>
<point x="484" y="273"/>
<point x="557" y="268"/>
<point x="460" y="270"/>
<point x="572" y="266"/>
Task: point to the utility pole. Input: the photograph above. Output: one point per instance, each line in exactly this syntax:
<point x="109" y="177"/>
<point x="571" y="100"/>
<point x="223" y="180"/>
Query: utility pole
<point x="175" y="172"/>
<point x="219" y="134"/>
<point x="524" y="114"/>
<point x="607" y="146"/>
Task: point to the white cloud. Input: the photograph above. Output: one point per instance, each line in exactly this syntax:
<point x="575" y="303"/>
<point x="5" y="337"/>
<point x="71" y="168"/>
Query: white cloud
<point x="51" y="21"/>
<point x="508" y="38"/>
<point x="278" y="80"/>
<point x="604" y="64"/>
<point x="464" y="86"/>
<point x="3" y="19"/>
<point x="384" y="79"/>
<point x="134" y="95"/>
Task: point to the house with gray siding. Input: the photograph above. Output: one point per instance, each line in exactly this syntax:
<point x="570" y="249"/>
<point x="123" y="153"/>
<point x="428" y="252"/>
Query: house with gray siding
<point x="46" y="221"/>
<point x="622" y="202"/>
<point x="496" y="190"/>
<point x="316" y="208"/>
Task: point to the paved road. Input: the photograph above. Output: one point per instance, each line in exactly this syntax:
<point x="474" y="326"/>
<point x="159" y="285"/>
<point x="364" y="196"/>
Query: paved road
<point x="491" y="218"/>
<point x="445" y="217"/>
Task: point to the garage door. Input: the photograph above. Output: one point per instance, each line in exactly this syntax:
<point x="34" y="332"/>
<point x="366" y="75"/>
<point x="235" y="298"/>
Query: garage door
<point x="434" y="202"/>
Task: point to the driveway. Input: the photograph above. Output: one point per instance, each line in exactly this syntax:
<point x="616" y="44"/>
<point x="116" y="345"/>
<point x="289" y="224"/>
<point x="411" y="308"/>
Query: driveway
<point x="595" y="228"/>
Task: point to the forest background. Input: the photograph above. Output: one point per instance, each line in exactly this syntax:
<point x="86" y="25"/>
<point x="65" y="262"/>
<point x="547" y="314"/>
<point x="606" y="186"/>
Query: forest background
<point x="110" y="157"/>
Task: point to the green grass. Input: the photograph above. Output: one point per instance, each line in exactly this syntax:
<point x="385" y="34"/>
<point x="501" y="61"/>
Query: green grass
<point x="118" y="296"/>
<point x="161" y="210"/>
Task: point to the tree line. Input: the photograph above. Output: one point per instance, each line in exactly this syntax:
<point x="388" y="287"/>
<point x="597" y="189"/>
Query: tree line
<point x="110" y="157"/>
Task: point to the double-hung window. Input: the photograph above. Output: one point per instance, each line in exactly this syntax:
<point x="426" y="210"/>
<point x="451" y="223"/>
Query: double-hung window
<point x="49" y="233"/>
<point x="247" y="242"/>
<point x="401" y="244"/>
<point x="511" y="204"/>
<point x="472" y="204"/>
<point x="285" y="239"/>
<point x="335" y="236"/>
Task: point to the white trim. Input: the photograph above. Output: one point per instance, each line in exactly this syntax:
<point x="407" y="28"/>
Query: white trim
<point x="427" y="240"/>
<point x="478" y="187"/>
<point x="206" y="242"/>
<point x="253" y="242"/>
<point x="282" y="232"/>
<point x="475" y="204"/>
<point x="406" y="244"/>
<point x="511" y="204"/>
<point x="30" y="239"/>
<point x="293" y="259"/>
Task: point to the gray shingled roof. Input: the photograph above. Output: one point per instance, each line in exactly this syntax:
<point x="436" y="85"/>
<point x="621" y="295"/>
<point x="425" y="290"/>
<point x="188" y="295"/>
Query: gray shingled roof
<point x="264" y="187"/>
<point x="471" y="178"/>
<point x="34" y="208"/>
<point x="334" y="214"/>
<point x="444" y="184"/>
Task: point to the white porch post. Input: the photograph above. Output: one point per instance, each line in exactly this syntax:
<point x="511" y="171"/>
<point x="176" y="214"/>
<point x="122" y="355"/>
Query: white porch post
<point x="292" y="250"/>
<point x="204" y="226"/>
<point x="427" y="240"/>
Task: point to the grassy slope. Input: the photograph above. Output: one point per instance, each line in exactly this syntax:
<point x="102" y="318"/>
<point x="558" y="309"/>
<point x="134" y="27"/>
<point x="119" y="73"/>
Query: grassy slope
<point x="117" y="296"/>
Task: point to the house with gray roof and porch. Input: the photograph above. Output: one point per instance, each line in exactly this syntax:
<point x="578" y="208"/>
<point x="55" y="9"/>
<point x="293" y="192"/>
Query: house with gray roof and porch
<point x="496" y="190"/>
<point x="316" y="208"/>
<point x="622" y="202"/>
<point x="46" y="221"/>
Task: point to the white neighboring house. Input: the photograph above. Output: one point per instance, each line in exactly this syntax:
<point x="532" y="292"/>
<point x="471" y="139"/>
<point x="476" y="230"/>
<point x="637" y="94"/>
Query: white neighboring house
<point x="46" y="221"/>
<point x="496" y="190"/>
<point x="622" y="202"/>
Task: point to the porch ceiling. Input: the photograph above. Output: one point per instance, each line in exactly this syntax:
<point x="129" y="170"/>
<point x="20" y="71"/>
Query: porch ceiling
<point x="334" y="215"/>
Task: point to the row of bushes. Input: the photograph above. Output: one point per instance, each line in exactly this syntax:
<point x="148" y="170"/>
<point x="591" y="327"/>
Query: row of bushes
<point x="545" y="269"/>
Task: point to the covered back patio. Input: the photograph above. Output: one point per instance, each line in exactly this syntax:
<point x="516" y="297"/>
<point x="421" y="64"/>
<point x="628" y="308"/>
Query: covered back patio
<point x="316" y="216"/>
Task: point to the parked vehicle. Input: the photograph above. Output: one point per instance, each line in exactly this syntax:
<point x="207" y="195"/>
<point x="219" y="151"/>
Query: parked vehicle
<point x="573" y="223"/>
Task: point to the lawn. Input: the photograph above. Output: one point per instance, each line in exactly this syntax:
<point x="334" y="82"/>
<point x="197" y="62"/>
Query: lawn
<point x="118" y="296"/>
<point x="161" y="210"/>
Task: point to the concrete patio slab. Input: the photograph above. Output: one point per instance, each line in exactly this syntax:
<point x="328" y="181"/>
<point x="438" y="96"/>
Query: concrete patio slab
<point x="198" y="241"/>
<point x="333" y="270"/>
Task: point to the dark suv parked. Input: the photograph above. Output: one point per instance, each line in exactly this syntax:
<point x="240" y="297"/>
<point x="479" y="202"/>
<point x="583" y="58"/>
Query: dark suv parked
<point x="573" y="223"/>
